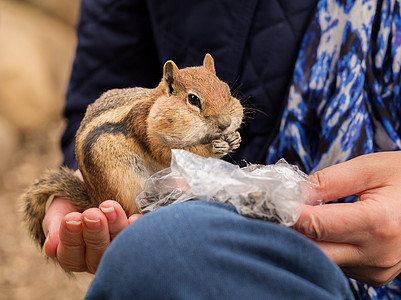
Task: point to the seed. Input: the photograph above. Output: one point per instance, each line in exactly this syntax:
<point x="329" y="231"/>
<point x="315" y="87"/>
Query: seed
<point x="255" y="205"/>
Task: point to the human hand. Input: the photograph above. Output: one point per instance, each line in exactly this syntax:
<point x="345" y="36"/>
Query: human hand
<point x="77" y="240"/>
<point x="363" y="238"/>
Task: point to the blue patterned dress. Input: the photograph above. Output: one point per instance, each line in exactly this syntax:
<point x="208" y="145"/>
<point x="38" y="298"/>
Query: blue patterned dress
<point x="345" y="97"/>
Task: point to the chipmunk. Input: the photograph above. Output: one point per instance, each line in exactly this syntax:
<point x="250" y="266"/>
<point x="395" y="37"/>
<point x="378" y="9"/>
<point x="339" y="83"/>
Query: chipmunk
<point x="127" y="135"/>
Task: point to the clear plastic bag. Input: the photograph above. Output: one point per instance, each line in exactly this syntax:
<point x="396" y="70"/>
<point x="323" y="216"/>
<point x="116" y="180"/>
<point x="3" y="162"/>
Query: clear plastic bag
<point x="275" y="193"/>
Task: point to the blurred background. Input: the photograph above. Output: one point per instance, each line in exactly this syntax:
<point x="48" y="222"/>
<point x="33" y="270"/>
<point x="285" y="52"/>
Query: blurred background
<point x="37" y="43"/>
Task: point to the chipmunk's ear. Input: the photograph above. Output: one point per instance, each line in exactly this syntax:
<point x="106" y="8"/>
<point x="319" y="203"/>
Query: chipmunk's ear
<point x="170" y="73"/>
<point x="208" y="63"/>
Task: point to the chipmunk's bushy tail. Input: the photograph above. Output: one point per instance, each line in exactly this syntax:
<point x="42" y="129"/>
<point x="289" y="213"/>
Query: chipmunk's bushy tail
<point x="62" y="182"/>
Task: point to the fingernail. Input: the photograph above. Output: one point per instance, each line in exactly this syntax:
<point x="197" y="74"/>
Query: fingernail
<point x="92" y="224"/>
<point x="109" y="212"/>
<point x="107" y="209"/>
<point x="44" y="244"/>
<point x="73" y="226"/>
<point x="134" y="217"/>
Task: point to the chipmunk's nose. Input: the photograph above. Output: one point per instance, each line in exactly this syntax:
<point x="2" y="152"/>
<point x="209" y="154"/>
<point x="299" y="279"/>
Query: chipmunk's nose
<point x="224" y="123"/>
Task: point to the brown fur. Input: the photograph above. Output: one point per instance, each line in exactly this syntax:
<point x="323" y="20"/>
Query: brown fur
<point x="127" y="135"/>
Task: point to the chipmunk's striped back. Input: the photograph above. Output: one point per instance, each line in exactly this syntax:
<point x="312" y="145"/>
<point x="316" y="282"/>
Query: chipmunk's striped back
<point x="127" y="135"/>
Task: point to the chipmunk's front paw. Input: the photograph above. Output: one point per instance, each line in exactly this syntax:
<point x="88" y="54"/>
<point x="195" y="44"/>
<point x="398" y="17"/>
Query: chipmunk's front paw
<point x="233" y="139"/>
<point x="226" y="144"/>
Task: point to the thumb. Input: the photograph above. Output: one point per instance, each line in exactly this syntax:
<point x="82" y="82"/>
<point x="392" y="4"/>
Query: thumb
<point x="357" y="175"/>
<point x="336" y="222"/>
<point x="133" y="218"/>
<point x="51" y="224"/>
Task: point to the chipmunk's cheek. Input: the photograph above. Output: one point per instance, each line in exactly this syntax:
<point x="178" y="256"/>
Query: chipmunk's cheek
<point x="160" y="120"/>
<point x="234" y="126"/>
<point x="237" y="113"/>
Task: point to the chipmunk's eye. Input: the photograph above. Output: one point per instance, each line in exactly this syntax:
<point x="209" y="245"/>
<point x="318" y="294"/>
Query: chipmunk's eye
<point x="194" y="100"/>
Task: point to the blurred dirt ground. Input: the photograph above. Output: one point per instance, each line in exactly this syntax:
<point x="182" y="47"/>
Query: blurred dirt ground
<point x="37" y="42"/>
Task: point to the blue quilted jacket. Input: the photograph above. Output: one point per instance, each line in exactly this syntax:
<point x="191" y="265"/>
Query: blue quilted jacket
<point x="124" y="43"/>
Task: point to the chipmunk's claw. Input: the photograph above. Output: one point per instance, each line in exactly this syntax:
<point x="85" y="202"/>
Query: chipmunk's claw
<point x="234" y="140"/>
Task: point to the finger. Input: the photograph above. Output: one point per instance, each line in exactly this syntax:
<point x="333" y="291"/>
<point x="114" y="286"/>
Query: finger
<point x="133" y="218"/>
<point x="71" y="249"/>
<point x="79" y="174"/>
<point x="52" y="221"/>
<point x="356" y="175"/>
<point x="116" y="217"/>
<point x="371" y="275"/>
<point x="355" y="264"/>
<point x="341" y="254"/>
<point x="96" y="236"/>
<point x="338" y="222"/>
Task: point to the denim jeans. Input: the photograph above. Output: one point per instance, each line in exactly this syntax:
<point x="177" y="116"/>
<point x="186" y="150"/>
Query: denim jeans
<point x="205" y="250"/>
